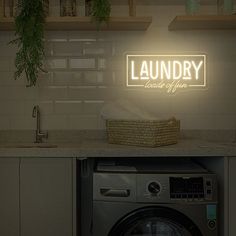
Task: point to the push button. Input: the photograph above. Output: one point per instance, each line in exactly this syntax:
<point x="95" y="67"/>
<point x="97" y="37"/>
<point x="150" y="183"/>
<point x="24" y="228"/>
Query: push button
<point x="208" y="183"/>
<point x="212" y="224"/>
<point x="209" y="191"/>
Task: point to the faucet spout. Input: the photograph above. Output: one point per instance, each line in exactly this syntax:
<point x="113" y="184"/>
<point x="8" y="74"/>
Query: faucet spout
<point x="38" y="134"/>
<point x="35" y="109"/>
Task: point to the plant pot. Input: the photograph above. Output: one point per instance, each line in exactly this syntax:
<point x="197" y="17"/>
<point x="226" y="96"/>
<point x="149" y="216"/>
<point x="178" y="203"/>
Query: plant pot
<point x="192" y="7"/>
<point x="46" y="7"/>
<point x="88" y="7"/>
<point x="225" y="7"/>
<point x="68" y="7"/>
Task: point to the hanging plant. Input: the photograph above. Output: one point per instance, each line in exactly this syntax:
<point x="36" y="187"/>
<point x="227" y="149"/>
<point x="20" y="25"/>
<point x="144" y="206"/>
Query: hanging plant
<point x="29" y="26"/>
<point x="101" y="10"/>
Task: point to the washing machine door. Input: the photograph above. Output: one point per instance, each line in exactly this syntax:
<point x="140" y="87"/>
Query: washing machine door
<point x="155" y="221"/>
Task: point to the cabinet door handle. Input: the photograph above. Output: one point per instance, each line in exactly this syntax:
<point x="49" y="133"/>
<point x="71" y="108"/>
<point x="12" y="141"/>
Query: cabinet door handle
<point x="106" y="192"/>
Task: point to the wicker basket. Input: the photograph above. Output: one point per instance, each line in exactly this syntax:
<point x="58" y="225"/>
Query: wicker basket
<point x="146" y="133"/>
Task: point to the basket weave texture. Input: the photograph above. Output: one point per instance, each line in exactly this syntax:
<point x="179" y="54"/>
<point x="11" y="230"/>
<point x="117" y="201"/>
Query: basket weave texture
<point x="146" y="133"/>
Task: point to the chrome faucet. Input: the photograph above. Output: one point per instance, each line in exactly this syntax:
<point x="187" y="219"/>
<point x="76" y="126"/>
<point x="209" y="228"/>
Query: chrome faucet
<point x="38" y="134"/>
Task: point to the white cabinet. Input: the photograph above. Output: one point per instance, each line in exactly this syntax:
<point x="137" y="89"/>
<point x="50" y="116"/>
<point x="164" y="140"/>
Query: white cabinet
<point x="232" y="196"/>
<point x="46" y="197"/>
<point x="9" y="197"/>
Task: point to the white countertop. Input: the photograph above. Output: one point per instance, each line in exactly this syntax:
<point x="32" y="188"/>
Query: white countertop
<point x="100" y="148"/>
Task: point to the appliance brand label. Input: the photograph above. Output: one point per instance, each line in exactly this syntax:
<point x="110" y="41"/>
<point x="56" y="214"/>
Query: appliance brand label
<point x="166" y="72"/>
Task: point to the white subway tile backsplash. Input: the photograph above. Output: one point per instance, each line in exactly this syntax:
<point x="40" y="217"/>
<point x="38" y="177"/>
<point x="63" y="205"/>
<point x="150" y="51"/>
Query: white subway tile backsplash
<point x="48" y="48"/>
<point x="101" y="123"/>
<point x="80" y="36"/>
<point x="93" y="107"/>
<point x="54" y="122"/>
<point x="205" y="122"/>
<point x="93" y="77"/>
<point x="223" y="122"/>
<point x="22" y="122"/>
<point x="5" y="37"/>
<point x="83" y="122"/>
<point x="93" y="51"/>
<point x="85" y="93"/>
<point x="102" y="63"/>
<point x="156" y="108"/>
<point x="67" y="49"/>
<point x="53" y="93"/>
<point x="68" y="107"/>
<point x="83" y="63"/>
<point x="45" y="79"/>
<point x="86" y="39"/>
<point x="11" y="107"/>
<point x="7" y="79"/>
<point x="94" y="102"/>
<point x="74" y="78"/>
<point x="186" y="106"/>
<point x="218" y="107"/>
<point x="58" y="36"/>
<point x="57" y="63"/>
<point x="18" y="93"/>
<point x="5" y="122"/>
<point x="5" y="64"/>
<point x="46" y="107"/>
<point x="91" y="80"/>
<point x="100" y="78"/>
<point x="8" y="50"/>
<point x="87" y="69"/>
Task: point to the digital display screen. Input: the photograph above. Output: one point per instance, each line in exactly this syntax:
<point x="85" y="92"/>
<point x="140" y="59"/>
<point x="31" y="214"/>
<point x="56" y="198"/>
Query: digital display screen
<point x="181" y="187"/>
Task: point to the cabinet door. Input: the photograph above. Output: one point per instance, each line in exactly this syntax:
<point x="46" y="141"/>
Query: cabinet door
<point x="46" y="197"/>
<point x="9" y="196"/>
<point x="232" y="196"/>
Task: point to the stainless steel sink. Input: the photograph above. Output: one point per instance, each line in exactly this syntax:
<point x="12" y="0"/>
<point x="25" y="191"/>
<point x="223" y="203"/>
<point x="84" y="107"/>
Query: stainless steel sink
<point x="30" y="145"/>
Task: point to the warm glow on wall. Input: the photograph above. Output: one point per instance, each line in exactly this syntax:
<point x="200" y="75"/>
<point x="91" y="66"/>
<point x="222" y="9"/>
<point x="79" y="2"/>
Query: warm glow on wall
<point x="166" y="72"/>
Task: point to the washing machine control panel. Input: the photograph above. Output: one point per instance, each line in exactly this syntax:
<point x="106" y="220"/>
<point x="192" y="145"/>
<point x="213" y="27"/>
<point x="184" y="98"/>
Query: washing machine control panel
<point x="176" y="187"/>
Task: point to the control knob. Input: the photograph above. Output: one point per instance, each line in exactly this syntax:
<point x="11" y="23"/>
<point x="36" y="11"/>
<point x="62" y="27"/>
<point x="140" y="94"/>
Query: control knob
<point x="154" y="188"/>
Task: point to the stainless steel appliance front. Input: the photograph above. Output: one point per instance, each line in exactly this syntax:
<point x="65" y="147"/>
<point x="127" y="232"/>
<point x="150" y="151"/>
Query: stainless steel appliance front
<point x="180" y="204"/>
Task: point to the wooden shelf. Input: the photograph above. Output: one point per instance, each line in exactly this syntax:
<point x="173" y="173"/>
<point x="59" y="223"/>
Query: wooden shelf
<point x="86" y="23"/>
<point x="207" y="22"/>
<point x="160" y="2"/>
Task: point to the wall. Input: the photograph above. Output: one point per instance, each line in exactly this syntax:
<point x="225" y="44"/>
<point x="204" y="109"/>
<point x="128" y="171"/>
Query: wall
<point x="86" y="70"/>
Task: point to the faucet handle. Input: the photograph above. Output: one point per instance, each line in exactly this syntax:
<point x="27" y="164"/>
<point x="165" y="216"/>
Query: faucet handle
<point x="40" y="135"/>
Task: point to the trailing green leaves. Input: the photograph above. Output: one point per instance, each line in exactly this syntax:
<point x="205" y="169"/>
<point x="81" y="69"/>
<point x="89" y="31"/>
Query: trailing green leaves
<point x="29" y="26"/>
<point x="101" y="10"/>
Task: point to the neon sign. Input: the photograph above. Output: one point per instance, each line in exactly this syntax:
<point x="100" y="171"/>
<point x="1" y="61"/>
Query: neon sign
<point x="166" y="72"/>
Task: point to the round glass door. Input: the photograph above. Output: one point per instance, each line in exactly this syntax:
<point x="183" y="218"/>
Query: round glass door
<point x="156" y="226"/>
<point x="155" y="221"/>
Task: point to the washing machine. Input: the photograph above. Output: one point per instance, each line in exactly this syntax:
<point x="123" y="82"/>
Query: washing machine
<point x="165" y="200"/>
